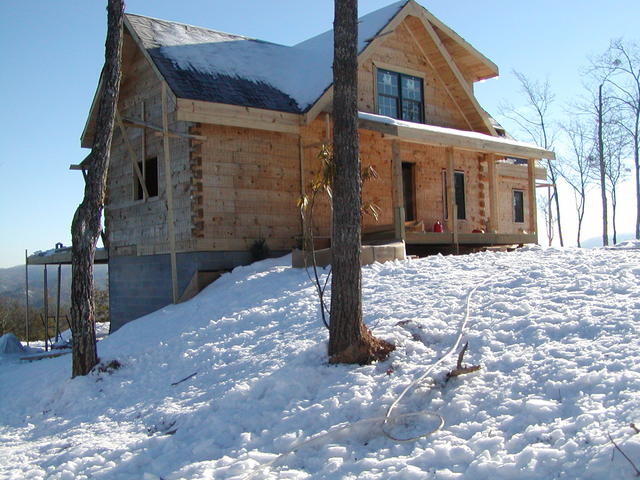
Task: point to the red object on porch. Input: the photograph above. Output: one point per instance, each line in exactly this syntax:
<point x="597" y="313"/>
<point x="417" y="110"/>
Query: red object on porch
<point x="437" y="227"/>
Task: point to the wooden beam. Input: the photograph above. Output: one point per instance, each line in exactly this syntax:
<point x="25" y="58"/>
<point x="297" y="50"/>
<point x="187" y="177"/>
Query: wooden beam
<point x="427" y="16"/>
<point x="533" y="205"/>
<point x="132" y="156"/>
<point x="302" y="188"/>
<point x="459" y="139"/>
<point x="519" y="171"/>
<point x="493" y="194"/>
<point x="398" y="192"/>
<point x="132" y="122"/>
<point x="459" y="77"/>
<point x="236" y="116"/>
<point x="169" y="191"/>
<point x="452" y="223"/>
<point x="438" y="76"/>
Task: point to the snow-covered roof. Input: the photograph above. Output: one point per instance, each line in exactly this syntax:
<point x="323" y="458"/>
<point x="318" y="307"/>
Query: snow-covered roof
<point x="434" y="135"/>
<point x="203" y="64"/>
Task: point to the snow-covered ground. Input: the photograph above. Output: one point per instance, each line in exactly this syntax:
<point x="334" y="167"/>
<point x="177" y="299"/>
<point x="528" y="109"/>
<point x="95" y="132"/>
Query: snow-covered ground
<point x="555" y="331"/>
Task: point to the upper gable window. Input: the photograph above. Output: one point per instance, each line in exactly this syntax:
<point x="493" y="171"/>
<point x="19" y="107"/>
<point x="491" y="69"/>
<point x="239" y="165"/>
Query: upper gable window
<point x="400" y="96"/>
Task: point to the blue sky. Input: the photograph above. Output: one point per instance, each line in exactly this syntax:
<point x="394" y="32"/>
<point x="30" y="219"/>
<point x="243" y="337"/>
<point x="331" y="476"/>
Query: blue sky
<point x="52" y="53"/>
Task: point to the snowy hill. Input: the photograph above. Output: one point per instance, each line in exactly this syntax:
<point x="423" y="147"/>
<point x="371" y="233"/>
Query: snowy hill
<point x="221" y="385"/>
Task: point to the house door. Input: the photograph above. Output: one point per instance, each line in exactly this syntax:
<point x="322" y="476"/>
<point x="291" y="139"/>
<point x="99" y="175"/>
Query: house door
<point x="409" y="191"/>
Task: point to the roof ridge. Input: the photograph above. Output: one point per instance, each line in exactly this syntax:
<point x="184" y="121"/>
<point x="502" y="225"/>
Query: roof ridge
<point x="207" y="29"/>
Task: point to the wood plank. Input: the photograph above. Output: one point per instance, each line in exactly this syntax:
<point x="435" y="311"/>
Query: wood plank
<point x="519" y="171"/>
<point x="426" y="16"/>
<point x="132" y="156"/>
<point x="236" y="116"/>
<point x="169" y="193"/>
<point x="132" y="122"/>
<point x="451" y="198"/>
<point x="459" y="77"/>
<point x="430" y="238"/>
<point x="533" y="205"/>
<point x="449" y="137"/>
<point x="398" y="192"/>
<point x="493" y="194"/>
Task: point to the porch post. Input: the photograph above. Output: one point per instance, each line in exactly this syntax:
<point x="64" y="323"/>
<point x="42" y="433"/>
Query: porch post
<point x="533" y="206"/>
<point x="452" y="223"/>
<point x="493" y="194"/>
<point x="398" y="193"/>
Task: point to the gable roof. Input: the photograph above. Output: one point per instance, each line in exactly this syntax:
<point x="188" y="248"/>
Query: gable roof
<point x="208" y="65"/>
<point x="212" y="66"/>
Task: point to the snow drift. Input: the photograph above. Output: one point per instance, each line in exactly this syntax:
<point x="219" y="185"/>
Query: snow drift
<point x="223" y="384"/>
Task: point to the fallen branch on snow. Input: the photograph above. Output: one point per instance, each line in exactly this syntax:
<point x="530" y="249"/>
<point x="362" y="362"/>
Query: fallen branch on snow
<point x="460" y="370"/>
<point x="624" y="455"/>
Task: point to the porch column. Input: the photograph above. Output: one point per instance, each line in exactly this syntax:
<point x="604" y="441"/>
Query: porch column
<point x="398" y="193"/>
<point x="533" y="205"/>
<point x="493" y="194"/>
<point x="452" y="221"/>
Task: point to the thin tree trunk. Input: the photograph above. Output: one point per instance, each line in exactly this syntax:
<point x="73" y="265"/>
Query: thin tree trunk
<point x="603" y="186"/>
<point x="557" y="203"/>
<point x="85" y="228"/>
<point x="613" y="216"/>
<point x="349" y="340"/>
<point x="636" y="159"/>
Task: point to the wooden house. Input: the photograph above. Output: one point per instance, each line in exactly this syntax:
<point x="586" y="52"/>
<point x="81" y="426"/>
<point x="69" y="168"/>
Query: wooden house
<point x="218" y="135"/>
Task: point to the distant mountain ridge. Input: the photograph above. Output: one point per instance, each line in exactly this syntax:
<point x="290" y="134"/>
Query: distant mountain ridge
<point x="12" y="282"/>
<point x="594" y="242"/>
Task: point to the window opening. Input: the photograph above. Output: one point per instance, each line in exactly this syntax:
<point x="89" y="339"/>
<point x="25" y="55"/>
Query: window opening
<point x="400" y="96"/>
<point x="149" y="169"/>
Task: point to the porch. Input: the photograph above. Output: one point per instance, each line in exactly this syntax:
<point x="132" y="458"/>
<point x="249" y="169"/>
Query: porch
<point x="496" y="168"/>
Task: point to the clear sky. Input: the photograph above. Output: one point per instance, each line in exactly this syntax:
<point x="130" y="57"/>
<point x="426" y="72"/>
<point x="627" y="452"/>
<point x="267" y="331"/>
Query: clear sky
<point x="52" y="53"/>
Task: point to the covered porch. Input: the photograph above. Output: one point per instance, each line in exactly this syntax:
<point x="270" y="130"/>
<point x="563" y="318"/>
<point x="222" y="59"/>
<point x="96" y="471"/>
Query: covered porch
<point x="500" y="166"/>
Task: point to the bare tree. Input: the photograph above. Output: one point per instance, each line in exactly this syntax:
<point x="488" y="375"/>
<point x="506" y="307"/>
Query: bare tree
<point x="86" y="225"/>
<point x="349" y="340"/>
<point x="601" y="109"/>
<point x="544" y="204"/>
<point x="621" y="66"/>
<point x="534" y="122"/>
<point x="577" y="170"/>
<point x="616" y="146"/>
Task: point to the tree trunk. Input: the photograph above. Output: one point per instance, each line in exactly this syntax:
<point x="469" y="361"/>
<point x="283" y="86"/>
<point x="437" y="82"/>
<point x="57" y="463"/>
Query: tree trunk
<point x="613" y="215"/>
<point x="554" y="177"/>
<point x="603" y="186"/>
<point x="85" y="228"/>
<point x="349" y="340"/>
<point x="636" y="160"/>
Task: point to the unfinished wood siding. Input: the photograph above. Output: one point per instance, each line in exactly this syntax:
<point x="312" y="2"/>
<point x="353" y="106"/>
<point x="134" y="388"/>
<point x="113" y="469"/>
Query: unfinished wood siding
<point x="400" y="52"/>
<point x="430" y="167"/>
<point x="246" y="186"/>
<point x="506" y="223"/>
<point x="138" y="226"/>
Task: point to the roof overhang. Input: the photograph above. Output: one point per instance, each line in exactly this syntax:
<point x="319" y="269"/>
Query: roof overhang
<point x="62" y="256"/>
<point x="450" y="137"/>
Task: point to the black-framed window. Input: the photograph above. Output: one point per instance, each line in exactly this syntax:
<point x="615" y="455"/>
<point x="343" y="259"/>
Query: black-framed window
<point x="400" y="96"/>
<point x="149" y="170"/>
<point x="518" y="206"/>
<point x="458" y="192"/>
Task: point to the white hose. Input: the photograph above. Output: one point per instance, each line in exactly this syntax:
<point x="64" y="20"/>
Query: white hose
<point x="388" y="417"/>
